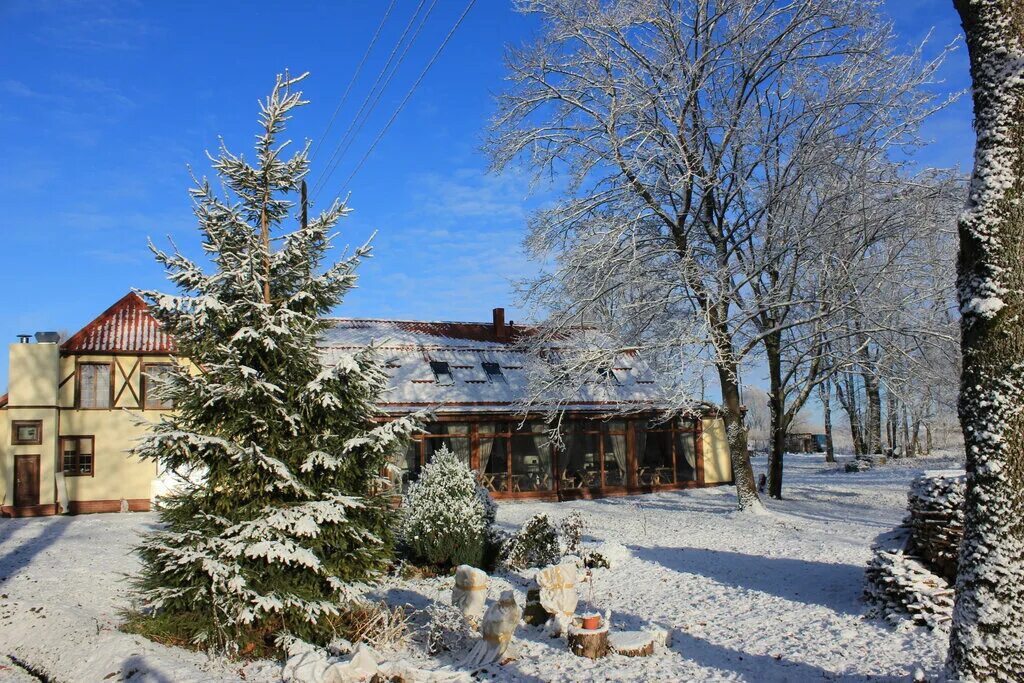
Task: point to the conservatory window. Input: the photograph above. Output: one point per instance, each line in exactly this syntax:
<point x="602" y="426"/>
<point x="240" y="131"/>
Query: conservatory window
<point x="454" y="435"/>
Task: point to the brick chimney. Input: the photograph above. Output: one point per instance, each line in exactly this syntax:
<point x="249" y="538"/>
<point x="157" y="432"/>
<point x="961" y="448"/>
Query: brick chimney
<point x="500" y="331"/>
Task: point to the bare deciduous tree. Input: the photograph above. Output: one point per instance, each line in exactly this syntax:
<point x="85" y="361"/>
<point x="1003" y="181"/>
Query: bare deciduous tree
<point x="683" y="126"/>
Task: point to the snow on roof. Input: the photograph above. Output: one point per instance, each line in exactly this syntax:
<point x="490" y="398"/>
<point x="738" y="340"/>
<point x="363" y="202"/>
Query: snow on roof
<point x="409" y="347"/>
<point x="125" y="327"/>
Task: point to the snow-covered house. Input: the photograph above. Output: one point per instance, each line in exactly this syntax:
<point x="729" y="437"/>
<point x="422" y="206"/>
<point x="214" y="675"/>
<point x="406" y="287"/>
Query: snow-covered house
<point x="473" y="379"/>
<point x="72" y="412"/>
<point x="70" y="415"/>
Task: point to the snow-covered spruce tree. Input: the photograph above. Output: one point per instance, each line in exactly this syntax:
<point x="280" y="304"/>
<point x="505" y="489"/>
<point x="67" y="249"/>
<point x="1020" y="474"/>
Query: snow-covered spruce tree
<point x="280" y="522"/>
<point x="987" y="639"/>
<point x="447" y="515"/>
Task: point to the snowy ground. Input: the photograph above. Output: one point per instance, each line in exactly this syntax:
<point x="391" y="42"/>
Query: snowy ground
<point x="748" y="598"/>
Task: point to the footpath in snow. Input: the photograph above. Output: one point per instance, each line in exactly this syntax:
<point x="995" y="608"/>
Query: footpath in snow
<point x="747" y="598"/>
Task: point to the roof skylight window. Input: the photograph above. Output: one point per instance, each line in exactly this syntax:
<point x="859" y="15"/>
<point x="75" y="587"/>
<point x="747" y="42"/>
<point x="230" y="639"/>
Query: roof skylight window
<point x="442" y="372"/>
<point x="494" y="373"/>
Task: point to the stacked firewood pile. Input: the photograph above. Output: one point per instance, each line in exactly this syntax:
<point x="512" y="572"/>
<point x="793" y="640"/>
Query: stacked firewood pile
<point x="914" y="567"/>
<point x="936" y="520"/>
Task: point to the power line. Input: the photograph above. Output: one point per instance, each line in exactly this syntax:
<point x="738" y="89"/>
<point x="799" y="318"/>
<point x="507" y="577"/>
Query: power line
<point x="348" y="88"/>
<point x="358" y="122"/>
<point x="332" y="163"/>
<point x="409" y="94"/>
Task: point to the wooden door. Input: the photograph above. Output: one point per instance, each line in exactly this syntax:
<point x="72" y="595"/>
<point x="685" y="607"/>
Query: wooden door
<point x="26" y="480"/>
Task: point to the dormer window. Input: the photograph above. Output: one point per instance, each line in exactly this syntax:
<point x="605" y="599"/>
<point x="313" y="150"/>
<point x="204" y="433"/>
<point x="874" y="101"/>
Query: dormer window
<point x="442" y="372"/>
<point x="608" y="375"/>
<point x="494" y="373"/>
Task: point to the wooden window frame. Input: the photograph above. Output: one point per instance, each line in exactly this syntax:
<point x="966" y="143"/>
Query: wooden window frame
<point x="78" y="385"/>
<point x="78" y="466"/>
<point x="672" y="428"/>
<point x="18" y="424"/>
<point x="143" y="382"/>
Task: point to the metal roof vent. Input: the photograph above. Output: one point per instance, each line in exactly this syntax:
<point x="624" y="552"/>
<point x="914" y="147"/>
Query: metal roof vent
<point x="47" y="337"/>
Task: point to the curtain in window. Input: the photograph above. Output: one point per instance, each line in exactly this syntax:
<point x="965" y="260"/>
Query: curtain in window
<point x="686" y="456"/>
<point x="617" y="450"/>
<point x="543" y="481"/>
<point x="95" y="389"/>
<point x="460" y="445"/>
<point x="643" y="474"/>
<point x="486" y="444"/>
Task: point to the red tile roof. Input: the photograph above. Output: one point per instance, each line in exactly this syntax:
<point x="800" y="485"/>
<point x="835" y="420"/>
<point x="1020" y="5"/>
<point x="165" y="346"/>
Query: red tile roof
<point x="3" y="400"/>
<point x="125" y="327"/>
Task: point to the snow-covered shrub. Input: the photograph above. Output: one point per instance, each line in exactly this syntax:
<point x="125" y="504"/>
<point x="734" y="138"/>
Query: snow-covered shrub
<point x="446" y="515"/>
<point x="572" y="529"/>
<point x="606" y="555"/>
<point x="535" y="545"/>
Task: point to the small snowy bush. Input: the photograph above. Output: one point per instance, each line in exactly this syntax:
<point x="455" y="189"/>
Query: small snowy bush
<point x="536" y="545"/>
<point x="572" y="528"/>
<point x="447" y="516"/>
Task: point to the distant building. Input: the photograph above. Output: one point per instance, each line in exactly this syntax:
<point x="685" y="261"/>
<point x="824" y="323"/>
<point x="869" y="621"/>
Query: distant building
<point x="805" y="443"/>
<point x="72" y="411"/>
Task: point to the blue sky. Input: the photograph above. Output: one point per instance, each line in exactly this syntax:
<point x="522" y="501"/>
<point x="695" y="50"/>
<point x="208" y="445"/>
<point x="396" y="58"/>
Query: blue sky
<point x="104" y="103"/>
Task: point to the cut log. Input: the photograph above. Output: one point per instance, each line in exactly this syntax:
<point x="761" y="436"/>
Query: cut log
<point x="592" y="643"/>
<point x="632" y="643"/>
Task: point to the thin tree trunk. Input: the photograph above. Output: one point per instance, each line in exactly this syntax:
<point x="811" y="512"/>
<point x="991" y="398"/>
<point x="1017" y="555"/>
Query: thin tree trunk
<point x="890" y="420"/>
<point x="777" y="405"/>
<point x="927" y="439"/>
<point x="826" y="409"/>
<point x="873" y="417"/>
<point x="848" y="400"/>
<point x="915" y="439"/>
<point x="986" y="642"/>
<point x="743" y="473"/>
<point x="905" y="425"/>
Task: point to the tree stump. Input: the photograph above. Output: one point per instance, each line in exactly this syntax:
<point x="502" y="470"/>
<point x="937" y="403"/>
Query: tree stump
<point x="632" y="643"/>
<point x="592" y="643"/>
<point x="534" y="613"/>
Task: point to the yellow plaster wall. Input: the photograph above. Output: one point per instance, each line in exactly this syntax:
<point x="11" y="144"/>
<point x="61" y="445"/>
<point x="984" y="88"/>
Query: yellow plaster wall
<point x="32" y="377"/>
<point x="36" y="371"/>
<point x="5" y="439"/>
<point x="717" y="464"/>
<point x="46" y="450"/>
<point x="116" y="473"/>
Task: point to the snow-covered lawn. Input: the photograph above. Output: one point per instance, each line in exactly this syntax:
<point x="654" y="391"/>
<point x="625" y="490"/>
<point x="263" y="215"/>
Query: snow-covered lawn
<point x="753" y="598"/>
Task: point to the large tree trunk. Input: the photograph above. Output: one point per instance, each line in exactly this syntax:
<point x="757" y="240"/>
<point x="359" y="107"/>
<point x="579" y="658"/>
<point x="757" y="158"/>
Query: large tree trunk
<point x="987" y="638"/>
<point x="826" y="409"/>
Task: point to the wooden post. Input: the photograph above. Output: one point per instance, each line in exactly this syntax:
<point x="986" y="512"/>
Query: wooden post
<point x="305" y="205"/>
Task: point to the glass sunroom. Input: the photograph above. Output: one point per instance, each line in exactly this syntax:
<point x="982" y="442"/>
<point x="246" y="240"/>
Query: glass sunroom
<point x="594" y="456"/>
